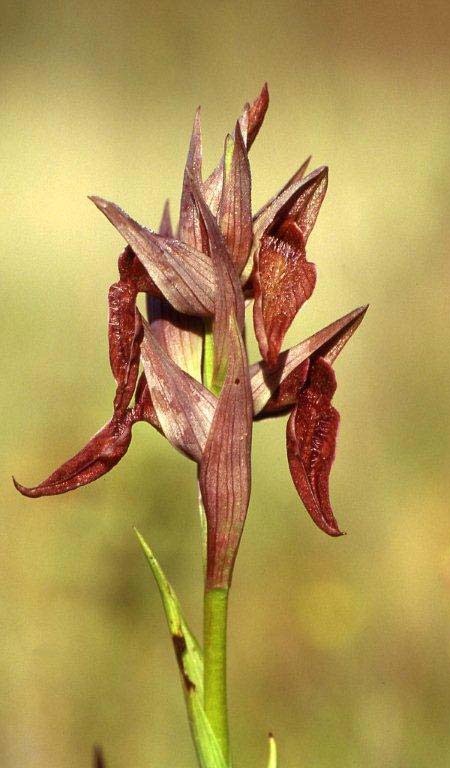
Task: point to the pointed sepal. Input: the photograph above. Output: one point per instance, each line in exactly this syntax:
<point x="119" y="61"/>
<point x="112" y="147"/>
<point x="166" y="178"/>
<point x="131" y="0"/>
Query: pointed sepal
<point x="281" y="384"/>
<point x="295" y="178"/>
<point x="256" y="114"/>
<point x="183" y="275"/>
<point x="299" y="202"/>
<point x="235" y="213"/>
<point x="190" y="230"/>
<point x="165" y="225"/>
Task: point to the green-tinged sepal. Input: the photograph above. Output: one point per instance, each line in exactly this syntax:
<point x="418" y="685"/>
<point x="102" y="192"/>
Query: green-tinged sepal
<point x="190" y="661"/>
<point x="273" y="761"/>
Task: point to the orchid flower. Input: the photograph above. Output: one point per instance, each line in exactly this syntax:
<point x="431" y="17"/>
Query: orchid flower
<point x="184" y="370"/>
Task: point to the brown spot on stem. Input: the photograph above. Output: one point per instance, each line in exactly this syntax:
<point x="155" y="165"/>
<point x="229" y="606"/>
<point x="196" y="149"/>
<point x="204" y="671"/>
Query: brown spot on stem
<point x="179" y="643"/>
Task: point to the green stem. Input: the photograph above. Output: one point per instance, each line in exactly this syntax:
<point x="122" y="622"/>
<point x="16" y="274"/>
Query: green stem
<point x="215" y="657"/>
<point x="208" y="356"/>
<point x="203" y="524"/>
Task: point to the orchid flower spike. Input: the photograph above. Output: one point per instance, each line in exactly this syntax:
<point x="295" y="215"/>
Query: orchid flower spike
<point x="184" y="368"/>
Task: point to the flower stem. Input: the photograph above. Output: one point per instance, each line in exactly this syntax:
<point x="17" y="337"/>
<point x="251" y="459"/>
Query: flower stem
<point x="208" y="356"/>
<point x="215" y="682"/>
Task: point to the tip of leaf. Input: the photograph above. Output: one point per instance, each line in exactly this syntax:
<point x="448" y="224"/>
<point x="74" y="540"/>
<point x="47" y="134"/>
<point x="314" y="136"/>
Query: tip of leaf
<point x="273" y="758"/>
<point x="141" y="539"/>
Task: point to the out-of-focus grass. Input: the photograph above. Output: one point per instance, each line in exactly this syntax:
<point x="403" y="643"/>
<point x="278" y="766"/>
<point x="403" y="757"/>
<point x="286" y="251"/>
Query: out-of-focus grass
<point x="340" y="647"/>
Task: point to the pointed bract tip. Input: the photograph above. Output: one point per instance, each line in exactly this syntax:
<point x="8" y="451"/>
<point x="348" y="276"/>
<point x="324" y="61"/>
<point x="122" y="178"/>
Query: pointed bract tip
<point x="238" y="134"/>
<point x="357" y="313"/>
<point x="99" y="202"/>
<point x="197" y="127"/>
<point x="361" y="311"/>
<point x="320" y="173"/>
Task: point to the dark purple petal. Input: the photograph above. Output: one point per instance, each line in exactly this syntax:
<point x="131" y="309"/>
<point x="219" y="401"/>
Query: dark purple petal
<point x="235" y="209"/>
<point x="184" y="407"/>
<point x="125" y="336"/>
<point x="102" y="452"/>
<point x="282" y="278"/>
<point x="330" y="340"/>
<point x="97" y="458"/>
<point x="311" y="444"/>
<point x="225" y="469"/>
<point x="184" y="276"/>
<point x="282" y="281"/>
<point x="313" y="425"/>
<point x="125" y="328"/>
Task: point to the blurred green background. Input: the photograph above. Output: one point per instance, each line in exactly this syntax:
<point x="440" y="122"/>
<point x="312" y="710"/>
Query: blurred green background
<point x="341" y="647"/>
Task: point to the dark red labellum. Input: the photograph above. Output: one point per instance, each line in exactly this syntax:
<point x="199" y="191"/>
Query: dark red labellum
<point x="311" y="444"/>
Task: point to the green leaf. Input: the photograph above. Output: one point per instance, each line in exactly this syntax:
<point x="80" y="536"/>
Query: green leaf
<point x="190" y="662"/>
<point x="273" y="762"/>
